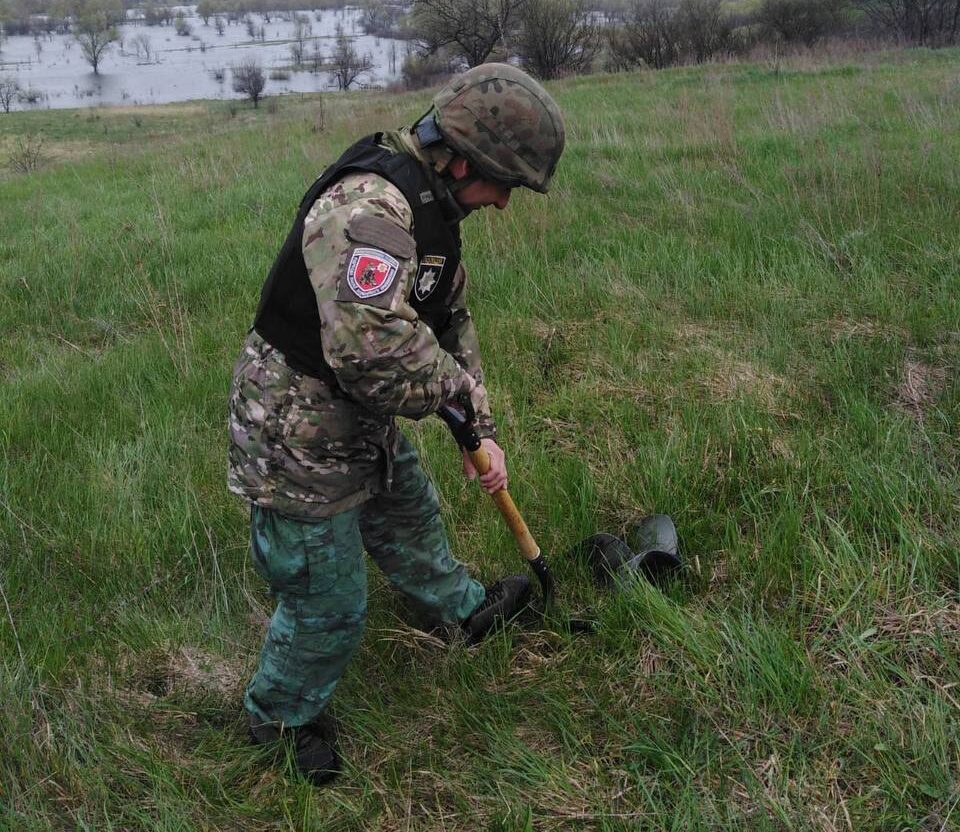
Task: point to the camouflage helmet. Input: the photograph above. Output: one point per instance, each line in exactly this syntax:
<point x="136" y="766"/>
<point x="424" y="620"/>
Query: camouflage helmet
<point x="504" y="123"/>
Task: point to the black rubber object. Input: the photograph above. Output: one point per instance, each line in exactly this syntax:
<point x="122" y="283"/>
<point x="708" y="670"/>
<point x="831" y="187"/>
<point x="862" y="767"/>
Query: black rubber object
<point x="605" y="553"/>
<point x="657" y="549"/>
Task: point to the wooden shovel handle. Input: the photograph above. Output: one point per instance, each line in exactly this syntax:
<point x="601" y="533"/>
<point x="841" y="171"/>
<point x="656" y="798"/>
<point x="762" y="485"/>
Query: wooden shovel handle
<point x="528" y="546"/>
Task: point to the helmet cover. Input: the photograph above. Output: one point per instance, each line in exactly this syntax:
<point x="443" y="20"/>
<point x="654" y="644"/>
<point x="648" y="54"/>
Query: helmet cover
<point x="504" y="123"/>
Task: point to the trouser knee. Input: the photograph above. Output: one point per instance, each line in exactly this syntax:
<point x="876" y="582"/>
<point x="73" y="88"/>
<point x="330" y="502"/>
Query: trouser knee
<point x="318" y="577"/>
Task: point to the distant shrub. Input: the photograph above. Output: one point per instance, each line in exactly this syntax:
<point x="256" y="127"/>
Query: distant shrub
<point x="181" y="26"/>
<point x="31" y="96"/>
<point x="384" y="19"/>
<point x="703" y="29"/>
<point x="9" y="91"/>
<point x="646" y="34"/>
<point x="248" y="79"/>
<point x="28" y="154"/>
<point x="924" y="22"/>
<point x="419" y="71"/>
<point x="557" y="37"/>
<point x="802" y="21"/>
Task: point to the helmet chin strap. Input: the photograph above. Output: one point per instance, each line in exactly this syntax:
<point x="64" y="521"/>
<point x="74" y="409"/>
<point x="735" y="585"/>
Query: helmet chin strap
<point x="450" y="203"/>
<point x="440" y="155"/>
<point x="456" y="185"/>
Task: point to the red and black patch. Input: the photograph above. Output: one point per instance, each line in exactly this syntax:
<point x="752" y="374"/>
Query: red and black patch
<point x="371" y="272"/>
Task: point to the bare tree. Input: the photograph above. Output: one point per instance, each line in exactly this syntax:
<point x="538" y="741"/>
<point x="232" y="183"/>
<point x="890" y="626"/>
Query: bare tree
<point x="205" y="10"/>
<point x="802" y="21"/>
<point x="301" y="32"/>
<point x="924" y="22"/>
<point x="703" y="28"/>
<point x="557" y="37"/>
<point x="646" y="34"/>
<point x="420" y="71"/>
<point x="181" y="25"/>
<point x="28" y="154"/>
<point x="142" y="47"/>
<point x="380" y="17"/>
<point x="249" y="80"/>
<point x="316" y="57"/>
<point x="156" y="15"/>
<point x="348" y="65"/>
<point x="95" y="29"/>
<point x="9" y="91"/>
<point x="472" y="28"/>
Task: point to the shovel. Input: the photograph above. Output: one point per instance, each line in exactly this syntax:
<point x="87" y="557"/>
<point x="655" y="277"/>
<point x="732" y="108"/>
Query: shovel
<point x="655" y="536"/>
<point x="462" y="427"/>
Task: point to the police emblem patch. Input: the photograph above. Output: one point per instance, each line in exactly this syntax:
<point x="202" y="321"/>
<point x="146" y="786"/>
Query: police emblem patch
<point x="428" y="275"/>
<point x="371" y="272"/>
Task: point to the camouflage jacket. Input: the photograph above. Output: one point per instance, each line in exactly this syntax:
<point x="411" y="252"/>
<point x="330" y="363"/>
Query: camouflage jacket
<point x="313" y="448"/>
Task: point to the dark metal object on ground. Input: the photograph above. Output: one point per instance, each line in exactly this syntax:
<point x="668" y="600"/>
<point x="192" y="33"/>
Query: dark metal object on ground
<point x="605" y="553"/>
<point x="654" y="540"/>
<point x="653" y="551"/>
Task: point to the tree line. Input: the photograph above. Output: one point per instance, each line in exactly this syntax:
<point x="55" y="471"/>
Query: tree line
<point x="558" y="37"/>
<point x="550" y="38"/>
<point x="553" y="37"/>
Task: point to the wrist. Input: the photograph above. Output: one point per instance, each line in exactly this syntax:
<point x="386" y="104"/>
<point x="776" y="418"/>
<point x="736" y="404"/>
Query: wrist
<point x="486" y="429"/>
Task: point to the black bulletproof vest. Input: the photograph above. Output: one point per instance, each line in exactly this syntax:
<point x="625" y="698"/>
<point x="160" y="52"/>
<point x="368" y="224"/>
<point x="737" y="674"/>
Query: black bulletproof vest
<point x="287" y="316"/>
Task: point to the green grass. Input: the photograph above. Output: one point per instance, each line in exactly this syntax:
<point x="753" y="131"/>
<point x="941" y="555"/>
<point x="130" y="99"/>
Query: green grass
<point x="739" y="306"/>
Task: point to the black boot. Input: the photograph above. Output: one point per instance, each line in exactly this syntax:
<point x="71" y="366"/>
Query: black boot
<point x="314" y="746"/>
<point x="505" y="599"/>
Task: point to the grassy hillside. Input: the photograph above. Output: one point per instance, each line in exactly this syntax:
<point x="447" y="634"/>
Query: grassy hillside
<point x="739" y="307"/>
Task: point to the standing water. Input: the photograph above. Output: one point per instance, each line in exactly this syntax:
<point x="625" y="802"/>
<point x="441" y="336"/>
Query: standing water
<point x="156" y="65"/>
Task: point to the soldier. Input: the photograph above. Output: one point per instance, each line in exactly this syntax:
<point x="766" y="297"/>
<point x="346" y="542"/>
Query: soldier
<point x="363" y="318"/>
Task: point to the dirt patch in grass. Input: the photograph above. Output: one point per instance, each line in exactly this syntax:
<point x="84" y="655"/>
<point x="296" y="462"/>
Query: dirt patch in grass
<point x="699" y="334"/>
<point x="729" y="375"/>
<point x="919" y="635"/>
<point x="734" y="377"/>
<point x="920" y="384"/>
<point x="193" y="669"/>
<point x="844" y="329"/>
<point x="189" y="671"/>
<point x="922" y="620"/>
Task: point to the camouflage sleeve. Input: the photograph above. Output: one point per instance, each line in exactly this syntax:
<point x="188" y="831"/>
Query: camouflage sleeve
<point x="361" y="258"/>
<point x="460" y="340"/>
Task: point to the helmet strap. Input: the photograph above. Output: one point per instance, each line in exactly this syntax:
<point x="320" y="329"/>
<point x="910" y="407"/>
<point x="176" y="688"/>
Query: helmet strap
<point x="455" y="185"/>
<point x="439" y="154"/>
<point x="454" y="210"/>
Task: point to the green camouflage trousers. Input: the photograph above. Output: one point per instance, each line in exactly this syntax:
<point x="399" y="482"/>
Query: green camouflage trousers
<point x="317" y="572"/>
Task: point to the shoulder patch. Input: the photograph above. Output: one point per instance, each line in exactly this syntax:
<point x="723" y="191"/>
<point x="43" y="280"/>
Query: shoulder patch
<point x="382" y="233"/>
<point x="428" y="275"/>
<point x="371" y="272"/>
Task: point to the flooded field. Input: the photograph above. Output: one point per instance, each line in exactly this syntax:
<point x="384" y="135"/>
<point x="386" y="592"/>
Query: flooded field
<point x="155" y="64"/>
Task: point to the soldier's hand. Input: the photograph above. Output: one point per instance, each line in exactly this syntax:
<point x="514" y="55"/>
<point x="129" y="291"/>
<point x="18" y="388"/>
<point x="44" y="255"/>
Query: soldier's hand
<point x="496" y="478"/>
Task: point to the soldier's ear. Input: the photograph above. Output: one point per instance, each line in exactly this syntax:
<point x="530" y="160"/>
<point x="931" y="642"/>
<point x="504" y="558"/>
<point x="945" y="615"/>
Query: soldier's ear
<point x="458" y="167"/>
